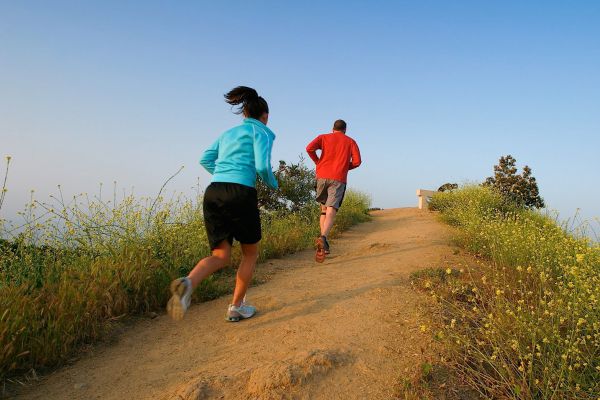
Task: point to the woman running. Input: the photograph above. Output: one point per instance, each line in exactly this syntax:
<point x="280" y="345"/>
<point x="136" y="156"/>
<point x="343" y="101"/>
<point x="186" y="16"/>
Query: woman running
<point x="230" y="202"/>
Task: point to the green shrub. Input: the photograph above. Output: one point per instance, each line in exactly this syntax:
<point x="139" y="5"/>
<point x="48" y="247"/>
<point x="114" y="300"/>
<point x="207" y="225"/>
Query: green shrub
<point x="446" y="187"/>
<point x="520" y="189"/>
<point x="526" y="323"/>
<point x="74" y="266"/>
<point x="297" y="184"/>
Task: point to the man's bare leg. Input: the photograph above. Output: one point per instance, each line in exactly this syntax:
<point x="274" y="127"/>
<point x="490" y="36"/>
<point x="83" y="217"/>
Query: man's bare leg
<point x="326" y="223"/>
<point x="328" y="220"/>
<point x="322" y="218"/>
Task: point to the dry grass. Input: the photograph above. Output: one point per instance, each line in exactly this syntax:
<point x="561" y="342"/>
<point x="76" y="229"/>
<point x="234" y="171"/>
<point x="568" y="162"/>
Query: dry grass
<point x="525" y="323"/>
<point x="74" y="266"/>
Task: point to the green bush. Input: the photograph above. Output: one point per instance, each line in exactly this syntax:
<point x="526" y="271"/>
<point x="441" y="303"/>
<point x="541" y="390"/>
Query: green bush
<point x="526" y="323"/>
<point x="74" y="266"/>
<point x="446" y="187"/>
<point x="520" y="189"/>
<point x="297" y="184"/>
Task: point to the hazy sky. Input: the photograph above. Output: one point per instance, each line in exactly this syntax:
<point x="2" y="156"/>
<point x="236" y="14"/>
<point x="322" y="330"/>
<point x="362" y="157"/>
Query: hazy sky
<point x="433" y="91"/>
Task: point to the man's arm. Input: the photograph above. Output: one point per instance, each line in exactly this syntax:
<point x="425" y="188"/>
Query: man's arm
<point x="209" y="157"/>
<point x="312" y="148"/>
<point x="355" y="162"/>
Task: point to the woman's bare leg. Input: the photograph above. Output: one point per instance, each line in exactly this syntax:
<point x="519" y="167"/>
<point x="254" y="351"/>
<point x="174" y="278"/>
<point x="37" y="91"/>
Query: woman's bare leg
<point x="244" y="272"/>
<point x="220" y="257"/>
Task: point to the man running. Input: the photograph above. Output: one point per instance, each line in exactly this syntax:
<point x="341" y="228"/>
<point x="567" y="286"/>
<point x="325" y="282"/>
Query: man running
<point x="339" y="153"/>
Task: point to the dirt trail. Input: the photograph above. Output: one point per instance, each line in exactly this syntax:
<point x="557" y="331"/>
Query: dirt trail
<point x="345" y="329"/>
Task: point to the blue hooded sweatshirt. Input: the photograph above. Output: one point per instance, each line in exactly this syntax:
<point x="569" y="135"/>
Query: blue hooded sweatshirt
<point x="240" y="154"/>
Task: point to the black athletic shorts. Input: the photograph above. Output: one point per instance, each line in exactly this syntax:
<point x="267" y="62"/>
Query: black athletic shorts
<point x="231" y="212"/>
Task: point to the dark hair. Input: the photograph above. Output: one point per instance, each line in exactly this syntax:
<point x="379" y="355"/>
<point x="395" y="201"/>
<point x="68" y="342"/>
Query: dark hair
<point x="250" y="103"/>
<point x="339" y="125"/>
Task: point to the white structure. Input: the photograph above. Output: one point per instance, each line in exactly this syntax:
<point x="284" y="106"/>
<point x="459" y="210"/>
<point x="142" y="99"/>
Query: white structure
<point x="424" y="197"/>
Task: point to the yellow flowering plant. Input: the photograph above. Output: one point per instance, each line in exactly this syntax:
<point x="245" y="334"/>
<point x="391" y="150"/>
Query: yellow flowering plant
<point x="524" y="322"/>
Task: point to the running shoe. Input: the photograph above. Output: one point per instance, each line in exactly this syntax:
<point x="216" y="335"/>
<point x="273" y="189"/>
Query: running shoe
<point x="181" y="290"/>
<point x="320" y="255"/>
<point x="234" y="314"/>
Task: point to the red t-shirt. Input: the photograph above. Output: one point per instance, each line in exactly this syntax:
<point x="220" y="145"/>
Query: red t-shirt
<point x="339" y="153"/>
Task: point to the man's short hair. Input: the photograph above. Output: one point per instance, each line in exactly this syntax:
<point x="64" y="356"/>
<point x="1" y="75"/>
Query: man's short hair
<point x="339" y="125"/>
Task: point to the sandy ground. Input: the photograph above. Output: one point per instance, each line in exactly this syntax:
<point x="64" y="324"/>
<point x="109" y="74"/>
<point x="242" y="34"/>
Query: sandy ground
<point x="344" y="329"/>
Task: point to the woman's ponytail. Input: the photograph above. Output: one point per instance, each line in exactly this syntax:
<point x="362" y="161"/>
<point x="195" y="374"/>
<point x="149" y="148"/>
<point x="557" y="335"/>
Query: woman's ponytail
<point x="250" y="103"/>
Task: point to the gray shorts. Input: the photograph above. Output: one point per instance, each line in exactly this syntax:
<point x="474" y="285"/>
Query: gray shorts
<point x="330" y="192"/>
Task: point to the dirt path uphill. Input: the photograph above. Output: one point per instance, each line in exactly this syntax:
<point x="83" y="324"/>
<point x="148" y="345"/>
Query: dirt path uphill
<point x="344" y="329"/>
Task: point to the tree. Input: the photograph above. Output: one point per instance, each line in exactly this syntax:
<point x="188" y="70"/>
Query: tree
<point x="447" y="187"/>
<point x="521" y="189"/>
<point x="296" y="188"/>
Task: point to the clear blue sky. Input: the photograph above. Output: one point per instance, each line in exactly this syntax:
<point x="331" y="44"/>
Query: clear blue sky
<point x="433" y="91"/>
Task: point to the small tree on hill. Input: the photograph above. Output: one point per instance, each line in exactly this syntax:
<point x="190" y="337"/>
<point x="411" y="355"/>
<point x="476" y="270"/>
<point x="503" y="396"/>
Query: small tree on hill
<point x="447" y="187"/>
<point x="296" y="188"/>
<point x="521" y="189"/>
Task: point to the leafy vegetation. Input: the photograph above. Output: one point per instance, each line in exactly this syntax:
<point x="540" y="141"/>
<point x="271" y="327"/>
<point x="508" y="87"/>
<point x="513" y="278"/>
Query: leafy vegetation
<point x="524" y="322"/>
<point x="447" y="187"/>
<point x="74" y="265"/>
<point x="520" y="189"/>
<point x="296" y="188"/>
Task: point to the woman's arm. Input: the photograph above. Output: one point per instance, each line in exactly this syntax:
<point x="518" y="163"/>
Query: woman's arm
<point x="263" y="144"/>
<point x="209" y="157"/>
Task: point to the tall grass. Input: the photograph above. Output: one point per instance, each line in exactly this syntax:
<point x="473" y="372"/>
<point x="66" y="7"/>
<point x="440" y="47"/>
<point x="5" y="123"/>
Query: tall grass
<point x="525" y="324"/>
<point x="75" y="265"/>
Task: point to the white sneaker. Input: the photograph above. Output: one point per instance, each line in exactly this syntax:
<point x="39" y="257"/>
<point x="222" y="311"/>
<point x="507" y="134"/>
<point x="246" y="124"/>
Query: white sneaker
<point x="181" y="299"/>
<point x="234" y="314"/>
